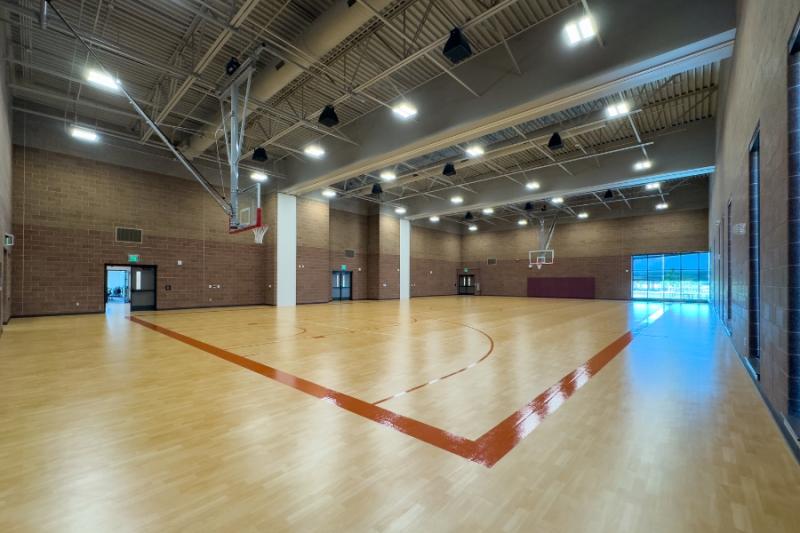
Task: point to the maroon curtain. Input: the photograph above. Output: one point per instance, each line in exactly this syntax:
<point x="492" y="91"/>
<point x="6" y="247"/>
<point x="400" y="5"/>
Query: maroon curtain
<point x="561" y="287"/>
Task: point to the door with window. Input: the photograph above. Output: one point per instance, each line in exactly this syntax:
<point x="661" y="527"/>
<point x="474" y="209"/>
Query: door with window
<point x="466" y="284"/>
<point x="341" y="285"/>
<point x="143" y="288"/>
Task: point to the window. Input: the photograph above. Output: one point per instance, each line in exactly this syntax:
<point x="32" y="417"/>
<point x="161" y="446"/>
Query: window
<point x="754" y="295"/>
<point x="670" y="277"/>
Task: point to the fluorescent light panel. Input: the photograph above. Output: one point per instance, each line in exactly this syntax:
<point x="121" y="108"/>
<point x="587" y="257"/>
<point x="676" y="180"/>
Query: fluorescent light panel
<point x="404" y="110"/>
<point x="328" y="193"/>
<point x="557" y="200"/>
<point x="579" y="30"/>
<point x="643" y="165"/>
<point x="618" y="109"/>
<point x="83" y="134"/>
<point x="487" y="210"/>
<point x="388" y="175"/>
<point x="522" y="222"/>
<point x="258" y="176"/>
<point x="314" y="150"/>
<point x="662" y="206"/>
<point x="457" y="199"/>
<point x="101" y="79"/>
<point x="473" y="227"/>
<point x="434" y="218"/>
<point x="583" y="214"/>
<point x="652" y="186"/>
<point x="475" y="150"/>
<point x="532" y="185"/>
<point x="400" y="210"/>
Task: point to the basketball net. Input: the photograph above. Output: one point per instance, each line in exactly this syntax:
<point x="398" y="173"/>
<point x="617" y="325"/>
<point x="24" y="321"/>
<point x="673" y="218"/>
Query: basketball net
<point x="259" y="233"/>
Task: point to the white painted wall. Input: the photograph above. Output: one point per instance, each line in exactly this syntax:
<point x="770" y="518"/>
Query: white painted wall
<point x="286" y="251"/>
<point x="405" y="259"/>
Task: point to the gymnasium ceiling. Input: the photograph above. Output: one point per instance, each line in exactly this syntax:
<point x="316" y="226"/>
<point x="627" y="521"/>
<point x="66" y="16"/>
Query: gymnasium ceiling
<point x="521" y="85"/>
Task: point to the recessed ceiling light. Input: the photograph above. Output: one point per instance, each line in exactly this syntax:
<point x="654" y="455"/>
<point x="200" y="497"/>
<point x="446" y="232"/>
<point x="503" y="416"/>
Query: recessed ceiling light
<point x="400" y="210"/>
<point x="618" y="109"/>
<point x="328" y="193"/>
<point x="83" y="134"/>
<point x="532" y="185"/>
<point x="388" y="175"/>
<point x="404" y="109"/>
<point x="457" y="199"/>
<point x="579" y="30"/>
<point x="662" y="205"/>
<point x="473" y="227"/>
<point x="642" y="165"/>
<point x="314" y="150"/>
<point x="487" y="210"/>
<point x="653" y="186"/>
<point x="258" y="176"/>
<point x="434" y="218"/>
<point x="101" y="79"/>
<point x="522" y="222"/>
<point x="474" y="150"/>
<point x="557" y="200"/>
<point x="583" y="214"/>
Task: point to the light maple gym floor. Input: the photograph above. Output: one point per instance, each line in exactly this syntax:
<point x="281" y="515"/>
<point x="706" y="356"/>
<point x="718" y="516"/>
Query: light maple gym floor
<point x="438" y="414"/>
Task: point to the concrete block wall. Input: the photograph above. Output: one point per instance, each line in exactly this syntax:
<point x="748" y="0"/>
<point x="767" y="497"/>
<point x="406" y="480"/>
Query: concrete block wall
<point x="65" y="210"/>
<point x="5" y="189"/>
<point x="757" y="97"/>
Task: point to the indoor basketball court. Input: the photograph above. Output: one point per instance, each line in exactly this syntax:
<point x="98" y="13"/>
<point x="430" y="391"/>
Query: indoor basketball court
<point x="399" y="265"/>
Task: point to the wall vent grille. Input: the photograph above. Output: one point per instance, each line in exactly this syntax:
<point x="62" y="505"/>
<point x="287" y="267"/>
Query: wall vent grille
<point x="349" y="253"/>
<point x="128" y="235"/>
<point x="491" y="261"/>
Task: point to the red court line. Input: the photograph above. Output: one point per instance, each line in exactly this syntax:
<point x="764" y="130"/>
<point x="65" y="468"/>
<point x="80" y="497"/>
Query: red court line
<point x="487" y="450"/>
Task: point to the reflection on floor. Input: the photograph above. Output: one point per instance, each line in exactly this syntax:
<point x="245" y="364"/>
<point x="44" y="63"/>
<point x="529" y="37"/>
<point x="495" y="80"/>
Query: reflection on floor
<point x="110" y="424"/>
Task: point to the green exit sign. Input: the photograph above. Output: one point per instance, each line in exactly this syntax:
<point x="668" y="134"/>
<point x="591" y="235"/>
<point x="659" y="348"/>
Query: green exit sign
<point x="133" y="258"/>
<point x="466" y="270"/>
<point x="344" y="267"/>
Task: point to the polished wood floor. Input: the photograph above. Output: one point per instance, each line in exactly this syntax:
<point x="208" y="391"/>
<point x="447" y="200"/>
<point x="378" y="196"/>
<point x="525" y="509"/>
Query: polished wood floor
<point x="615" y="416"/>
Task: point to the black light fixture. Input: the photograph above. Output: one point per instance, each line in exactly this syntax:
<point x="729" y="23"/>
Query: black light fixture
<point x="555" y="142"/>
<point x="457" y="47"/>
<point x="528" y="206"/>
<point x="608" y="195"/>
<point x="468" y="216"/>
<point x="449" y="169"/>
<point x="377" y="189"/>
<point x="328" y="117"/>
<point x="260" y="155"/>
<point x="232" y="66"/>
<point x="544" y="208"/>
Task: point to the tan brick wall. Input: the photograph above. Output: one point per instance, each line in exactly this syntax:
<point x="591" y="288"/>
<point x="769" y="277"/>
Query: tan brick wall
<point x="435" y="260"/>
<point x="313" y="252"/>
<point x="5" y="191"/>
<point x="350" y="231"/>
<point x="601" y="249"/>
<point x="757" y="96"/>
<point x="65" y="212"/>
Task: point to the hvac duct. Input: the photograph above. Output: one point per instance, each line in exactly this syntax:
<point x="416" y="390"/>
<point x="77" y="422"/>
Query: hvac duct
<point x="328" y="30"/>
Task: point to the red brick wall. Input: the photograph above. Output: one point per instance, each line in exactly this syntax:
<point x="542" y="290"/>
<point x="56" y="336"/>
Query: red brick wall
<point x="313" y="252"/>
<point x="65" y="210"/>
<point x="600" y="249"/>
<point x="383" y="260"/>
<point x="435" y="260"/>
<point x="350" y="231"/>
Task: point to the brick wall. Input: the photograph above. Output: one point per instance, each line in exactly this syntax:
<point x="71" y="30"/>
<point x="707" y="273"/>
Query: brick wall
<point x="313" y="252"/>
<point x="757" y="97"/>
<point x="383" y="257"/>
<point x="601" y="249"/>
<point x="5" y="191"/>
<point x="435" y="259"/>
<point x="350" y="231"/>
<point x="65" y="210"/>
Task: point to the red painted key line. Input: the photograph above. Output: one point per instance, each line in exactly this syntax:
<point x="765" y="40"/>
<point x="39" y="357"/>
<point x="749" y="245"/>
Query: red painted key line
<point x="487" y="450"/>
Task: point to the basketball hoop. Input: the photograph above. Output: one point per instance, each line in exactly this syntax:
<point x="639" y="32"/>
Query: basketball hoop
<point x="259" y="233"/>
<point x="540" y="258"/>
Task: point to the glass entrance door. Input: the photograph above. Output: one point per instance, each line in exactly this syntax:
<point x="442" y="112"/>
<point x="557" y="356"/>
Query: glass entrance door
<point x="342" y="285"/>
